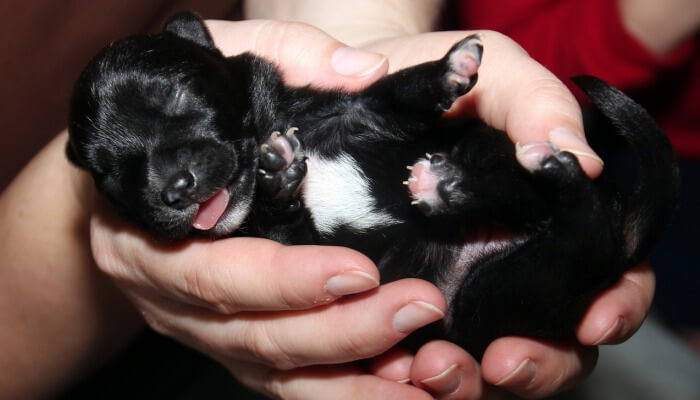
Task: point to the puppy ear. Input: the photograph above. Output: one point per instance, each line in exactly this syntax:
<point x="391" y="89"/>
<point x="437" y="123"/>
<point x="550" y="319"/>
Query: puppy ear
<point x="190" y="26"/>
<point x="73" y="157"/>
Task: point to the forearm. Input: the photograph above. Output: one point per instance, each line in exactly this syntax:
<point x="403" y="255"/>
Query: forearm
<point x="659" y="25"/>
<point x="353" y="22"/>
<point x="59" y="315"/>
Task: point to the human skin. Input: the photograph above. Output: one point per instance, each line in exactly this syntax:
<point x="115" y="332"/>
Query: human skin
<point x="52" y="289"/>
<point x="290" y="363"/>
<point x="60" y="316"/>
<point x="660" y="25"/>
<point x="530" y="110"/>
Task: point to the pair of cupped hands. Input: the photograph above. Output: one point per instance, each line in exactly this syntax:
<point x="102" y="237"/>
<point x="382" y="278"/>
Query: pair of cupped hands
<point x="280" y="318"/>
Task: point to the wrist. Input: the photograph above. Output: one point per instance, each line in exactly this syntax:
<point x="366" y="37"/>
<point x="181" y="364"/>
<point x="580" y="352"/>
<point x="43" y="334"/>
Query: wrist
<point x="355" y="23"/>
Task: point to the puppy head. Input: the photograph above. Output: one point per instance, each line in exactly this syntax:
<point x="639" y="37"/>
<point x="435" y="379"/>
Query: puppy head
<point x="157" y="121"/>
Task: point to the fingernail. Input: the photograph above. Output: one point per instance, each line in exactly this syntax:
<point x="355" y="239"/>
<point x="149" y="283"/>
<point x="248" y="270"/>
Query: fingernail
<point x="414" y="315"/>
<point x="568" y="140"/>
<point x="520" y="376"/>
<point x="446" y="382"/>
<point x="349" y="61"/>
<point x="350" y="282"/>
<point x="530" y="155"/>
<point x="613" y="334"/>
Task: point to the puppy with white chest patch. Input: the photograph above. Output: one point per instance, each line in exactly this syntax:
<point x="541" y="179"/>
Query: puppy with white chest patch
<point x="185" y="141"/>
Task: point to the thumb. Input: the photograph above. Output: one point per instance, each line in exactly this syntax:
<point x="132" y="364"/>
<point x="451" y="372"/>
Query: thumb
<point x="304" y="54"/>
<point x="514" y="93"/>
<point x="520" y="96"/>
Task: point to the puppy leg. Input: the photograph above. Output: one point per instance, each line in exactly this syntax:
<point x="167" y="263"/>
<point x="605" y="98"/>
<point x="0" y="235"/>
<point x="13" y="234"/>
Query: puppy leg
<point x="430" y="88"/>
<point x="480" y="180"/>
<point x="543" y="287"/>
<point x="282" y="169"/>
<point x="575" y="203"/>
<point x="583" y="226"/>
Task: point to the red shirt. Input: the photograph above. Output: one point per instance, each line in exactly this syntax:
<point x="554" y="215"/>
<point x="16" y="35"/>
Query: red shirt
<point x="573" y="37"/>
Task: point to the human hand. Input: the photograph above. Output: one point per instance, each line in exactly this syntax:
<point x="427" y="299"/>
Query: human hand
<point x="273" y="314"/>
<point x="516" y="94"/>
<point x="200" y="314"/>
<point x="269" y="313"/>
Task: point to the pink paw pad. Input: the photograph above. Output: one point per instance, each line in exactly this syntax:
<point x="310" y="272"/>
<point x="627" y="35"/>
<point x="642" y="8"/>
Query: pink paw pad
<point x="464" y="61"/>
<point x="282" y="145"/>
<point x="423" y="183"/>
<point x="464" y="66"/>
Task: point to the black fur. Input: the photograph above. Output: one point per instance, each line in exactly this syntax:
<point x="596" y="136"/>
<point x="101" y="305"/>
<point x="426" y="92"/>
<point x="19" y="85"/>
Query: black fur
<point x="163" y="122"/>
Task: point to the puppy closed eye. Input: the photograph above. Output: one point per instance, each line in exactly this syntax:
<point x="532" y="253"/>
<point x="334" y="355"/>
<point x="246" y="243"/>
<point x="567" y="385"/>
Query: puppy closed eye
<point x="103" y="162"/>
<point x="108" y="184"/>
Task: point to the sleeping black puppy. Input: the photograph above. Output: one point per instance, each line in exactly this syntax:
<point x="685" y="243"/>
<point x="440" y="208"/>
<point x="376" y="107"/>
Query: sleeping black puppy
<point x="185" y="141"/>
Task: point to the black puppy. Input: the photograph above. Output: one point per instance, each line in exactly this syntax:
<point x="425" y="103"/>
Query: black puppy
<point x="185" y="142"/>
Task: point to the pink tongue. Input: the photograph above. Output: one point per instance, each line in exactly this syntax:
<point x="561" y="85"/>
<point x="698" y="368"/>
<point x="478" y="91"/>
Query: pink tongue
<point x="211" y="210"/>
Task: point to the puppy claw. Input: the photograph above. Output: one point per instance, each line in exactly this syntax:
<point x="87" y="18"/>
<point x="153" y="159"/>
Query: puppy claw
<point x="265" y="148"/>
<point x="458" y="80"/>
<point x="291" y="131"/>
<point x="409" y="167"/>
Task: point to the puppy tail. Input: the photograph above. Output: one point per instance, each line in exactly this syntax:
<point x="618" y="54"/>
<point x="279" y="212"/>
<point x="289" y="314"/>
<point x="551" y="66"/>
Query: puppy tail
<point x="655" y="195"/>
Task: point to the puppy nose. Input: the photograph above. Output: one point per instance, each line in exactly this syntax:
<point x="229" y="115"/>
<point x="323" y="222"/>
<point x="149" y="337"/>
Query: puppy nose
<point x="178" y="191"/>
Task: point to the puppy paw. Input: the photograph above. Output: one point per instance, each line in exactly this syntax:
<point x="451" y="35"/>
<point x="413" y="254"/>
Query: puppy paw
<point x="545" y="158"/>
<point x="560" y="169"/>
<point x="532" y="155"/>
<point x="462" y="62"/>
<point x="282" y="167"/>
<point x="435" y="185"/>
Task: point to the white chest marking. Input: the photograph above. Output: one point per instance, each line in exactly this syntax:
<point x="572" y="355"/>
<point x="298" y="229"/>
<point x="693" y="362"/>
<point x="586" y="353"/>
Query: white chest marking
<point x="337" y="194"/>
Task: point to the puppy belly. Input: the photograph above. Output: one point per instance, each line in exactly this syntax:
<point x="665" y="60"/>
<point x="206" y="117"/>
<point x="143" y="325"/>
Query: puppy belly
<point x="337" y="194"/>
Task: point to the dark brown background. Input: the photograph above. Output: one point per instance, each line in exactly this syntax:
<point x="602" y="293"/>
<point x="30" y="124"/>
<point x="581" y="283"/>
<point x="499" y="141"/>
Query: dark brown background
<point x="43" y="47"/>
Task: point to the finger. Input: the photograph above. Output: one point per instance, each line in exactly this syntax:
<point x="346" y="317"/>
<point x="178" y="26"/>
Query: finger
<point x="349" y="329"/>
<point x="231" y="275"/>
<point x="514" y="93"/>
<point x="304" y="54"/>
<point x="619" y="311"/>
<point x="324" y="382"/>
<point x="532" y="368"/>
<point x="447" y="371"/>
<point x="393" y="365"/>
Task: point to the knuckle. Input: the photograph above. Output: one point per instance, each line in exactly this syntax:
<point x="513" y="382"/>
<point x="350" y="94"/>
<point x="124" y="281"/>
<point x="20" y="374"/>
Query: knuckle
<point x="296" y="29"/>
<point x="357" y="346"/>
<point x="291" y="295"/>
<point x="263" y="346"/>
<point x="155" y="323"/>
<point x="101" y="250"/>
<point x="273" y="33"/>
<point x="276" y="388"/>
<point x="110" y="261"/>
<point x="199" y="282"/>
<point x="194" y="281"/>
<point x="289" y="290"/>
